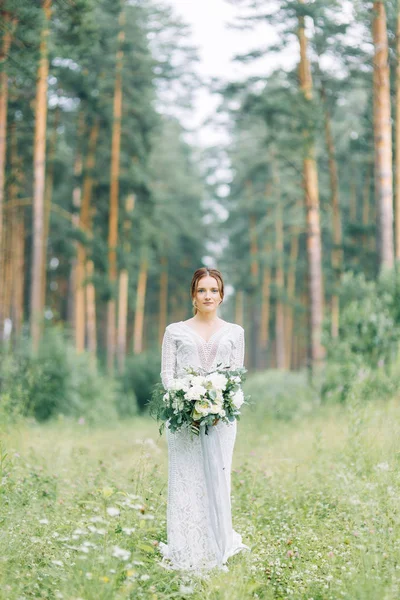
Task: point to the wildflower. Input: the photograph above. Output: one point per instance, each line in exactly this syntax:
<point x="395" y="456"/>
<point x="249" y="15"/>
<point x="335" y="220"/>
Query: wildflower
<point x="128" y="530"/>
<point x="44" y="521"/>
<point x="58" y="563"/>
<point x="81" y="421"/>
<point x="112" y="511"/>
<point x="144" y="577"/>
<point x="121" y="553"/>
<point x="383" y="466"/>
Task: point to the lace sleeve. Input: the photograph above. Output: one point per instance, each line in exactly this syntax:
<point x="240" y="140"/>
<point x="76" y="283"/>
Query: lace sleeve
<point x="168" y="359"/>
<point x="237" y="358"/>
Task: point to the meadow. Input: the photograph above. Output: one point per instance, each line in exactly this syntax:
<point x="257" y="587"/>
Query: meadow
<point x="315" y="496"/>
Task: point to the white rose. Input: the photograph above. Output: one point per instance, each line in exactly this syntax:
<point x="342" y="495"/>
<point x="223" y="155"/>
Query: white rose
<point x="179" y="384"/>
<point x="195" y="392"/>
<point x="237" y="399"/>
<point x="203" y="407"/>
<point x="198" y="380"/>
<point x="218" y="380"/>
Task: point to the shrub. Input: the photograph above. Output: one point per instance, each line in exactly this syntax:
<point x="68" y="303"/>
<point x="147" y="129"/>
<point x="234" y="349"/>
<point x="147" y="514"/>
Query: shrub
<point x="142" y="372"/>
<point x="55" y="380"/>
<point x="279" y="394"/>
<point x="369" y="333"/>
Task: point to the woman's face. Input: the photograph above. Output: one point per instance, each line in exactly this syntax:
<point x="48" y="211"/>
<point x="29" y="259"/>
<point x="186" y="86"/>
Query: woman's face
<point x="207" y="295"/>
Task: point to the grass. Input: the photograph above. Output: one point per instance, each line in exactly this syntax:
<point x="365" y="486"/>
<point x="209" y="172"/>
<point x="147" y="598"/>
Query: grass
<point x="316" y="498"/>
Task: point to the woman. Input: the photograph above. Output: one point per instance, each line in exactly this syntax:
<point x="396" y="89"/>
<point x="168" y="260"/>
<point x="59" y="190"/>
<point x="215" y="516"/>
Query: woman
<point x="199" y="523"/>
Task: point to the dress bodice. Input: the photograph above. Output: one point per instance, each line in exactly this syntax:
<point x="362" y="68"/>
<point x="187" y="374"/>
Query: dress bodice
<point x="182" y="346"/>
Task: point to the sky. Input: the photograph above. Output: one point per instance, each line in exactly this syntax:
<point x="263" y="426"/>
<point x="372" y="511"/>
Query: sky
<point x="217" y="44"/>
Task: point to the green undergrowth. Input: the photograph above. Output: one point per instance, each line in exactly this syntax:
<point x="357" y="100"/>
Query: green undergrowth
<point x="83" y="508"/>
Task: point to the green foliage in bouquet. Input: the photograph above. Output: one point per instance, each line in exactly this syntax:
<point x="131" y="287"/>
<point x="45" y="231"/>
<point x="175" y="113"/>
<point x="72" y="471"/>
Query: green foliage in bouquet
<point x="199" y="399"/>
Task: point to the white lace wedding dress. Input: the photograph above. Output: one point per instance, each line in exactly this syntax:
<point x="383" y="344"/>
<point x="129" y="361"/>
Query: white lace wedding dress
<point x="199" y="524"/>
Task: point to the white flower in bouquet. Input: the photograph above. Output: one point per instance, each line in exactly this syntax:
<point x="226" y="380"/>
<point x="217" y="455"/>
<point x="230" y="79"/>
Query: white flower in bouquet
<point x="179" y="384"/>
<point x="218" y="380"/>
<point x="235" y="379"/>
<point x="166" y="397"/>
<point x="237" y="399"/>
<point x="197" y="380"/>
<point x="195" y="392"/>
<point x="216" y="408"/>
<point x="203" y="407"/>
<point x="178" y="404"/>
<point x="222" y="413"/>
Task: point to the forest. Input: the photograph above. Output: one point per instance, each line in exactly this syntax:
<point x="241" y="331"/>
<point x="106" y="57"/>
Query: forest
<point x="106" y="210"/>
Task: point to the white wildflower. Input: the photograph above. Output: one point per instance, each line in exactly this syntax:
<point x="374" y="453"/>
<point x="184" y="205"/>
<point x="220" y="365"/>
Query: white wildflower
<point x="383" y="466"/>
<point x="185" y="589"/>
<point x="44" y="521"/>
<point x="144" y="577"/>
<point x="121" y="553"/>
<point x="129" y="530"/>
<point x="112" y="511"/>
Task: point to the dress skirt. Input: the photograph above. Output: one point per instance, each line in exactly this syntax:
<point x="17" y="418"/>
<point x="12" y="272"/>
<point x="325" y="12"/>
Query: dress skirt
<point x="200" y="536"/>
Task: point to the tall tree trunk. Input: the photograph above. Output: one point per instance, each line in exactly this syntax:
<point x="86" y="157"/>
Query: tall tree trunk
<point x="383" y="137"/>
<point x="397" y="133"/>
<point x="114" y="197"/>
<point x="290" y="290"/>
<point x="140" y="305"/>
<point x="254" y="343"/>
<point x="314" y="253"/>
<point x="123" y="288"/>
<point x="337" y="251"/>
<point x="366" y="203"/>
<point x="39" y="180"/>
<point x="8" y="27"/>
<point x="13" y="227"/>
<point x="91" y="310"/>
<point x="83" y="200"/>
<point x="353" y="196"/>
<point x="279" y="281"/>
<point x="239" y="306"/>
<point x="48" y="193"/>
<point x="265" y="303"/>
<point x="163" y="305"/>
<point x="18" y="295"/>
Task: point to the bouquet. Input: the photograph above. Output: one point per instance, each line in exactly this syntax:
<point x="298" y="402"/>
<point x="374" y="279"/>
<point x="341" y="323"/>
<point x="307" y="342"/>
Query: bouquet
<point x="200" y="399"/>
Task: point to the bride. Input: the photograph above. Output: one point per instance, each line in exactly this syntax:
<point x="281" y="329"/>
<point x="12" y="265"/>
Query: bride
<point x="199" y="523"/>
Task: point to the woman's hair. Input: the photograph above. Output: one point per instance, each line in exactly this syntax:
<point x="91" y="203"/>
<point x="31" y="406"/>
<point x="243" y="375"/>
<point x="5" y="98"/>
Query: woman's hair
<point x="203" y="272"/>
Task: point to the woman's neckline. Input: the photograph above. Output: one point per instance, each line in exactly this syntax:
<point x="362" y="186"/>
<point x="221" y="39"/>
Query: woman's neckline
<point x="226" y="324"/>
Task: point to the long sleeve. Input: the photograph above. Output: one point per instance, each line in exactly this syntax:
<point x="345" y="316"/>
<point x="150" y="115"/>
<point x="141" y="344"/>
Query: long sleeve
<point x="168" y="359"/>
<point x="237" y="358"/>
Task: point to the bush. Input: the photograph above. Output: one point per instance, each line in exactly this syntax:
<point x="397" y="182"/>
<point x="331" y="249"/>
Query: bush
<point x="142" y="372"/>
<point x="369" y="334"/>
<point x="280" y="394"/>
<point x="56" y="380"/>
